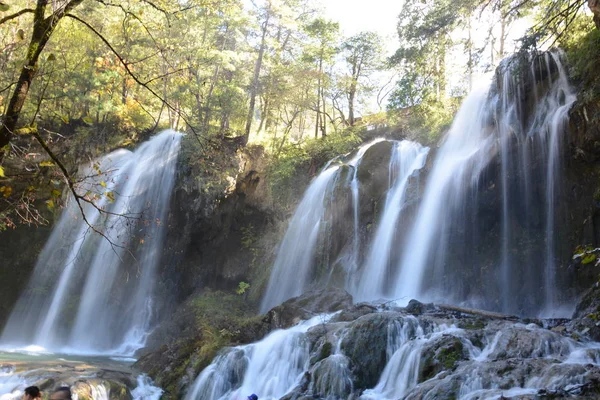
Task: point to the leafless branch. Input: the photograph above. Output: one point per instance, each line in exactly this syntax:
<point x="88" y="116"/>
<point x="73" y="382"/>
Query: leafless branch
<point x="78" y="198"/>
<point x="16" y="15"/>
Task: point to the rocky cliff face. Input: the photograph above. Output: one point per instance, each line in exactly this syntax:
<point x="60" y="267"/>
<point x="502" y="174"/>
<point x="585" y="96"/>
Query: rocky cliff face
<point x="421" y="351"/>
<point x="225" y="231"/>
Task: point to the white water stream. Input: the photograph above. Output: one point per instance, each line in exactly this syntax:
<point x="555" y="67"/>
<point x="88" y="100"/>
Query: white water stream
<point x="90" y="294"/>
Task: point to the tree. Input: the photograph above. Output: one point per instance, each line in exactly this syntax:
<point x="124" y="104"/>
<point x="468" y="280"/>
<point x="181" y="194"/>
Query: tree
<point x="363" y="54"/>
<point x="254" y="86"/>
<point x="324" y="33"/>
<point x="43" y="28"/>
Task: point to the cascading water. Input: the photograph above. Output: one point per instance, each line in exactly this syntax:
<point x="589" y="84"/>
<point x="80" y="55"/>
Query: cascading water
<point x="403" y="354"/>
<point x="296" y="251"/>
<point x="271" y="367"/>
<point x="489" y="207"/>
<point x="493" y="191"/>
<point x="91" y="293"/>
<point x="294" y="266"/>
<point x="354" y="187"/>
<point x="457" y="164"/>
<point x="407" y="159"/>
<point x="444" y="236"/>
<point x="500" y="358"/>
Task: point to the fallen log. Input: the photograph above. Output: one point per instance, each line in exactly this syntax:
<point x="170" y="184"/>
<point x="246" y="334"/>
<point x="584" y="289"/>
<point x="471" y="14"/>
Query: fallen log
<point x="473" y="311"/>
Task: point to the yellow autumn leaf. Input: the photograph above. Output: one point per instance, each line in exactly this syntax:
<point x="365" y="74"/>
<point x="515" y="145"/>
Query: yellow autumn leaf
<point x="2" y="172"/>
<point x="47" y="164"/>
<point x="50" y="204"/>
<point x="103" y="184"/>
<point x="55" y="193"/>
<point x="6" y="192"/>
<point x="111" y="196"/>
<point x="126" y="142"/>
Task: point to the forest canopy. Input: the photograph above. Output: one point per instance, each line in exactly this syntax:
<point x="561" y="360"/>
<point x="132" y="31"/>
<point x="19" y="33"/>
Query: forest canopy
<point x="82" y="77"/>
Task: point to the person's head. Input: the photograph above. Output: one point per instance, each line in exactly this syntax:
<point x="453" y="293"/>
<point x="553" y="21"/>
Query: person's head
<point x="253" y="397"/>
<point x="62" y="393"/>
<point x="32" y="393"/>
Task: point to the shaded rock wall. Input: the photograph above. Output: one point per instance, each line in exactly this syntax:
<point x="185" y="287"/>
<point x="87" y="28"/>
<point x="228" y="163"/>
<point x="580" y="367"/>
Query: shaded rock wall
<point x="19" y="249"/>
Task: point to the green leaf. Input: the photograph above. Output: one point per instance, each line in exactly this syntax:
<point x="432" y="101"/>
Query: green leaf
<point x="4" y="7"/>
<point x="588" y="258"/>
<point x="242" y="287"/>
<point x="88" y="120"/>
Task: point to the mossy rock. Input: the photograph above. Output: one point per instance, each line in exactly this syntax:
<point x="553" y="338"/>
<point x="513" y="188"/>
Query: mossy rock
<point x="365" y="345"/>
<point x="440" y="355"/>
<point x="589" y="303"/>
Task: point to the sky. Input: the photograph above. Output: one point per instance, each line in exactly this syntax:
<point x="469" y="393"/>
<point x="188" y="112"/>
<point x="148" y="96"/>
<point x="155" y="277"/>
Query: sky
<point x="356" y="16"/>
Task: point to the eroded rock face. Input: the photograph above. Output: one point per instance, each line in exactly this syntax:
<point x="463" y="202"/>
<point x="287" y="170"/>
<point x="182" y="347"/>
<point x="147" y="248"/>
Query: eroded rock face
<point x="493" y="357"/>
<point x="589" y="305"/>
<point x="307" y="306"/>
<point x="442" y="354"/>
<point x="365" y="344"/>
<point x="332" y="378"/>
<point x="425" y="351"/>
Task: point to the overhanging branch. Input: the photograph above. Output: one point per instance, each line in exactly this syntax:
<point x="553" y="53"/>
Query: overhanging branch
<point x="132" y="75"/>
<point x="16" y="15"/>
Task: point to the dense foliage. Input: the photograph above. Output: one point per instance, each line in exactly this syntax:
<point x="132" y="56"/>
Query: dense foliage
<point x="82" y="77"/>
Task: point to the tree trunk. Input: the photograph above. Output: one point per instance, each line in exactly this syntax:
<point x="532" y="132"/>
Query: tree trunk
<point x="323" y="120"/>
<point x="502" y="37"/>
<point x="594" y="5"/>
<point x="42" y="31"/>
<point x="215" y="78"/>
<point x="470" y="62"/>
<point x="254" y="86"/>
<point x="351" y="96"/>
<point x="263" y="115"/>
<point x="473" y="311"/>
<point x="317" y="123"/>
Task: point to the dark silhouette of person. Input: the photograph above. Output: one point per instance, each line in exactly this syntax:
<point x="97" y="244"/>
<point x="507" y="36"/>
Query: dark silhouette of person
<point x="32" y="393"/>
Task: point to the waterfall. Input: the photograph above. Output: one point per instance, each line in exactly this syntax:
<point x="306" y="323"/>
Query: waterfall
<point x="353" y="265"/>
<point x="487" y="367"/>
<point x="294" y="267"/>
<point x="91" y="293"/>
<point x="407" y="159"/>
<point x="297" y="248"/>
<point x="457" y="164"/>
<point x="485" y="229"/>
<point x="495" y="123"/>
<point x="271" y="367"/>
<point x="404" y="343"/>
